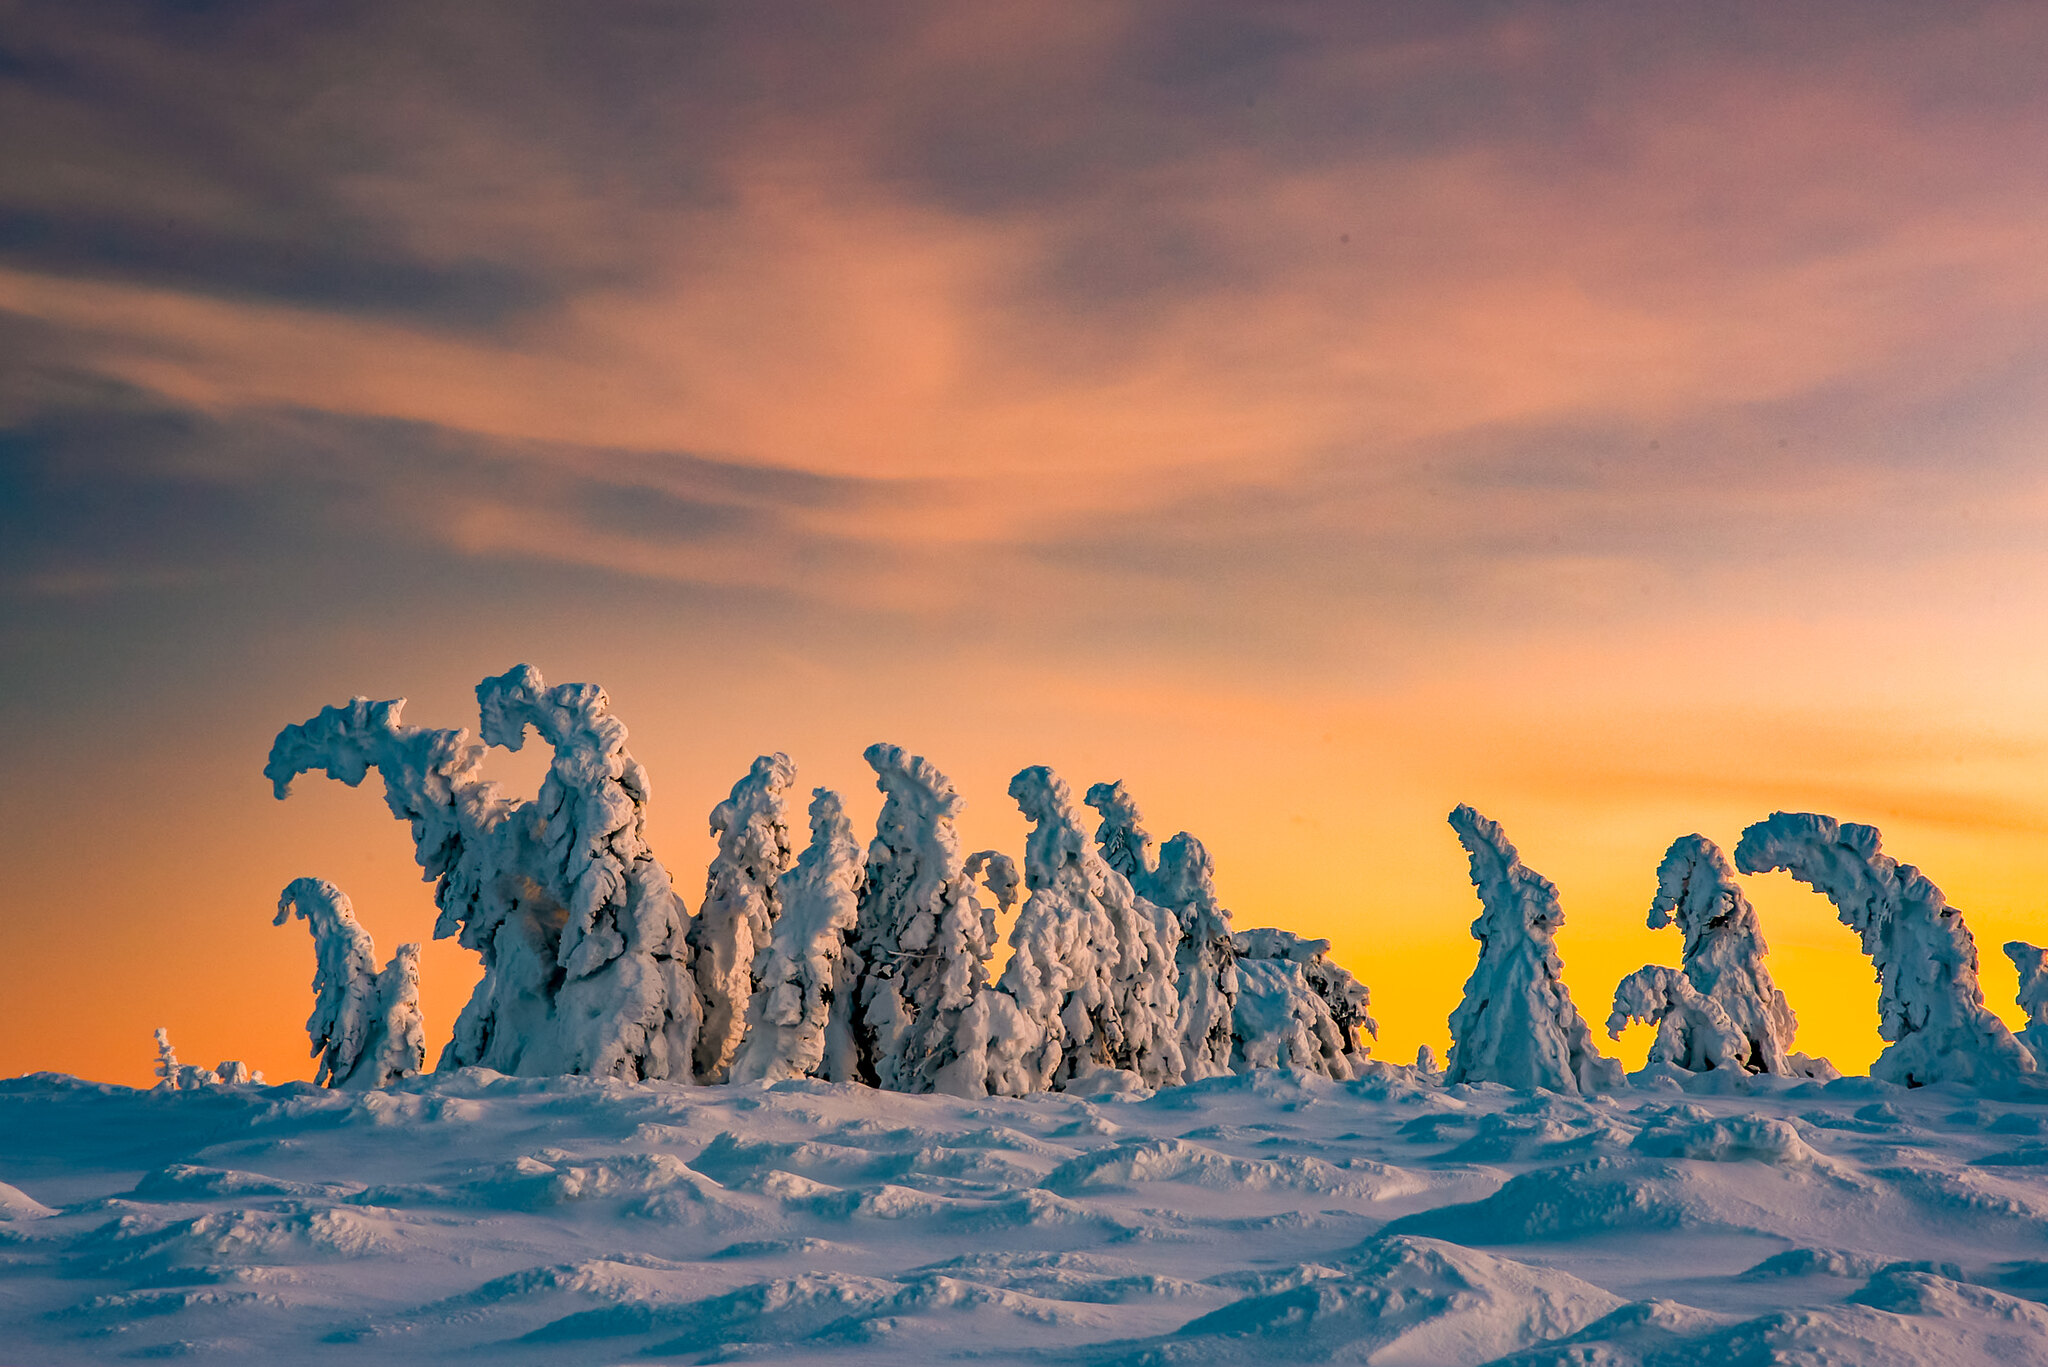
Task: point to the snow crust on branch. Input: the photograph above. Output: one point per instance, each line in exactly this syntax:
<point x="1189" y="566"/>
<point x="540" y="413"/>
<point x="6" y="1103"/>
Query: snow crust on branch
<point x="585" y="969"/>
<point x="1723" y="959"/>
<point x="923" y="939"/>
<point x="799" y="1020"/>
<point x="2032" y="963"/>
<point x="1092" y="968"/>
<point x="365" y="1028"/>
<point x="741" y="901"/>
<point x="1930" y="1003"/>
<point x="1295" y="1008"/>
<point x="1516" y="1024"/>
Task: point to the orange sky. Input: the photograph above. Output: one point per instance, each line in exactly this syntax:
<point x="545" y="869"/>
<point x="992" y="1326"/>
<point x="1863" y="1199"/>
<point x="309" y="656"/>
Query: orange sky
<point x="1625" y="422"/>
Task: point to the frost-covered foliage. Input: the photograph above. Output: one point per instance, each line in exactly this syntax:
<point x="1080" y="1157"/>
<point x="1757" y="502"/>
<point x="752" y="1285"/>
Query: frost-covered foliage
<point x="2032" y="963"/>
<point x="1516" y="1024"/>
<point x="585" y="969"/>
<point x="1722" y="957"/>
<point x="365" y="1027"/>
<point x="1295" y="1008"/>
<point x="741" y="901"/>
<point x="173" y="1076"/>
<point x="1205" y="961"/>
<point x="1092" y="968"/>
<point x="923" y="938"/>
<point x="1693" y="1030"/>
<point x="1930" y="1005"/>
<point x="799" y="1021"/>
<point x="1121" y="836"/>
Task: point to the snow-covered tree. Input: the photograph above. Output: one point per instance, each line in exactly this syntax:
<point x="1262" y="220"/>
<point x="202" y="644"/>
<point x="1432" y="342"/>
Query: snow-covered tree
<point x="2032" y="963"/>
<point x="799" y="1019"/>
<point x="1693" y="1029"/>
<point x="1121" y="836"/>
<point x="580" y="932"/>
<point x="1722" y="958"/>
<point x="365" y="1027"/>
<point x="741" y="902"/>
<point x="167" y="1066"/>
<point x="923" y="937"/>
<point x="1930" y="1005"/>
<point x="1093" y="966"/>
<point x="1205" y="960"/>
<point x="1295" y="1008"/>
<point x="1516" y="1024"/>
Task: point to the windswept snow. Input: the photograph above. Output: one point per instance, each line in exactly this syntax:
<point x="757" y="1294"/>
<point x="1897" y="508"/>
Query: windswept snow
<point x="1930" y="1006"/>
<point x="1267" y="1217"/>
<point x="1516" y="1024"/>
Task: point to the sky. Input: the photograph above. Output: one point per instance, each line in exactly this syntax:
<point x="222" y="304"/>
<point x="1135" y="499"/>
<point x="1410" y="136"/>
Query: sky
<point x="1626" y="419"/>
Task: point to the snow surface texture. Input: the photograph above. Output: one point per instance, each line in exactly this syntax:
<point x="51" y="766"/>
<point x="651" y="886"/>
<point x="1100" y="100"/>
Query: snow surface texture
<point x="1516" y="1024"/>
<point x="1267" y="1218"/>
<point x="799" y="1021"/>
<point x="1182" y="878"/>
<point x="365" y="1027"/>
<point x="741" y="903"/>
<point x="1930" y="1006"/>
<point x="580" y="932"/>
<point x="924" y="1013"/>
<point x="2032" y="963"/>
<point x="1092" y="967"/>
<point x="1726" y="985"/>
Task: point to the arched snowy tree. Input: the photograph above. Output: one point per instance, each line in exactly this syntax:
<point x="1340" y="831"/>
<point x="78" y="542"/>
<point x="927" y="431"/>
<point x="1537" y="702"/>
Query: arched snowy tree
<point x="799" y="1021"/>
<point x="741" y="902"/>
<point x="1722" y="958"/>
<point x="585" y="969"/>
<point x="1693" y="1030"/>
<point x="1093" y="966"/>
<point x="2032" y="963"/>
<point x="1295" y="1008"/>
<point x="1930" y="1005"/>
<point x="1516" y="1024"/>
<point x="365" y="1027"/>
<point x="923" y="937"/>
<point x="1205" y="960"/>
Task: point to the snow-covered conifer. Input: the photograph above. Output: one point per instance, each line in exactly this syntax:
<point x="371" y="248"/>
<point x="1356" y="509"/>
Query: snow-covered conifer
<point x="741" y="901"/>
<point x="167" y="1067"/>
<point x="365" y="1028"/>
<point x="1693" y="1030"/>
<point x="1722" y="957"/>
<point x="1121" y="836"/>
<point x="1516" y="1024"/>
<point x="1093" y="967"/>
<point x="923" y="937"/>
<point x="585" y="969"/>
<point x="1295" y="1008"/>
<point x="235" y="1073"/>
<point x="799" y="1021"/>
<point x="1205" y="960"/>
<point x="1930" y="1005"/>
<point x="2032" y="963"/>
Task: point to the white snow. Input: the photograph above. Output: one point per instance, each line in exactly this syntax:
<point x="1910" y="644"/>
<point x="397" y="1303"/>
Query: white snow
<point x="365" y="1027"/>
<point x="1294" y="1008"/>
<point x="2032" y="963"/>
<point x="741" y="902"/>
<point x="1516" y="1024"/>
<point x="1930" y="1006"/>
<point x="1267" y="1217"/>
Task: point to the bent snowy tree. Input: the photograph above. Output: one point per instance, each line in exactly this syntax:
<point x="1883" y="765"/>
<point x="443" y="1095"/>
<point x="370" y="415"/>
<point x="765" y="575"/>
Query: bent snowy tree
<point x="741" y="902"/>
<point x="1722" y="959"/>
<point x="1930" y="1005"/>
<point x="1516" y="1024"/>
<point x="580" y="932"/>
<point x="2032" y="963"/>
<point x="365" y="1027"/>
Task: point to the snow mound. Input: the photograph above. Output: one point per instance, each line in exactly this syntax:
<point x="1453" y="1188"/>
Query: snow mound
<point x="16" y="1204"/>
<point x="1176" y="1160"/>
<point x="1405" y="1301"/>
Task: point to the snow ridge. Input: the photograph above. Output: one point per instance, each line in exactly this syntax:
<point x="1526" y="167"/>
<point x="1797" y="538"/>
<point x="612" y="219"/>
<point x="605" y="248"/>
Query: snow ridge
<point x="1930" y="1004"/>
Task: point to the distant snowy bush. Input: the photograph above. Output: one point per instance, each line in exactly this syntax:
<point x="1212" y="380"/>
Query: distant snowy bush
<point x="1516" y="1024"/>
<point x="1930" y="1004"/>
